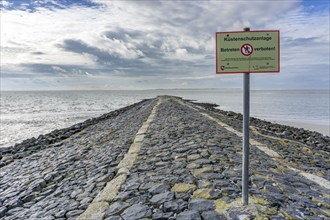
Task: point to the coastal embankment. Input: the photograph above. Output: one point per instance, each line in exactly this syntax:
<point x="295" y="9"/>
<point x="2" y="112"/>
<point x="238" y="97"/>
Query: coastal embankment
<point x="166" y="158"/>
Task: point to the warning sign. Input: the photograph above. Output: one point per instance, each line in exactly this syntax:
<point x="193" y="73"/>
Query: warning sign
<point x="248" y="51"/>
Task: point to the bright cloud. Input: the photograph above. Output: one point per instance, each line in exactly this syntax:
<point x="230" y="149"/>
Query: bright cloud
<point x="168" y="44"/>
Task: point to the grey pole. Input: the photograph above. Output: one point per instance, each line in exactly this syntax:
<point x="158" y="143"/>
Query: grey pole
<point x="246" y="120"/>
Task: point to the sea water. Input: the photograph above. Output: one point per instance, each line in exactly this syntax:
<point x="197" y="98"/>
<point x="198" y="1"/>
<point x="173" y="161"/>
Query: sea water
<point x="29" y="114"/>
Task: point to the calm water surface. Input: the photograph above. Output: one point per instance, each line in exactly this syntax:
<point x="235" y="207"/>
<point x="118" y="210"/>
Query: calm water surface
<point x="29" y="114"/>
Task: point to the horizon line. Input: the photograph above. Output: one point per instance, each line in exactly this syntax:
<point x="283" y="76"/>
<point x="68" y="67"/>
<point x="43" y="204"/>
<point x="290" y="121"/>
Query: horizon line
<point x="160" y="89"/>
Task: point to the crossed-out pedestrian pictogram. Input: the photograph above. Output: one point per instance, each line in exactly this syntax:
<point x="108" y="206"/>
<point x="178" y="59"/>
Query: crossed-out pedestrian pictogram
<point x="246" y="49"/>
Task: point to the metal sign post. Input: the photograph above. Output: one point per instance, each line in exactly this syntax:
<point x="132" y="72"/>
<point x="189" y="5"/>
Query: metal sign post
<point x="246" y="147"/>
<point x="246" y="134"/>
<point x="247" y="52"/>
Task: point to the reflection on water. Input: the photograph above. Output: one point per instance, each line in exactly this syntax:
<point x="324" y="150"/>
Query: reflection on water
<point x="28" y="114"/>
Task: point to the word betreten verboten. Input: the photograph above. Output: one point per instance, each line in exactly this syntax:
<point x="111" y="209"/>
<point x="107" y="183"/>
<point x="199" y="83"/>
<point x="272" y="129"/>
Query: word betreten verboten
<point x="238" y="49"/>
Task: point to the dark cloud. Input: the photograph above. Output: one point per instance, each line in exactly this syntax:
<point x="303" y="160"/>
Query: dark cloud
<point x="39" y="69"/>
<point x="46" y="70"/>
<point x="115" y="65"/>
<point x="103" y="57"/>
<point x="150" y="47"/>
<point x="16" y="75"/>
<point x="124" y="34"/>
<point x="37" y="53"/>
<point x="210" y="57"/>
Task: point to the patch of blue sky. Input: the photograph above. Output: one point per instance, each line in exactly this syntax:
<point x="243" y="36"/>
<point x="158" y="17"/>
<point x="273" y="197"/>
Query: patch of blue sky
<point x="33" y="5"/>
<point x="316" y="6"/>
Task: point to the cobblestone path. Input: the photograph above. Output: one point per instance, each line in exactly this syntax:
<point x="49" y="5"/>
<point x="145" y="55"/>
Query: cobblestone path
<point x="186" y="167"/>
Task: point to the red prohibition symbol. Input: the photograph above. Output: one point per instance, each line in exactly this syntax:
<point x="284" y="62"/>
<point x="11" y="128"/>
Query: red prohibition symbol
<point x="246" y="49"/>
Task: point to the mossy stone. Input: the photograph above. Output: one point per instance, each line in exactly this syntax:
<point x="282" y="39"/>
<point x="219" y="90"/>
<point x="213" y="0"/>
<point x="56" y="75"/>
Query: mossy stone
<point x="182" y="187"/>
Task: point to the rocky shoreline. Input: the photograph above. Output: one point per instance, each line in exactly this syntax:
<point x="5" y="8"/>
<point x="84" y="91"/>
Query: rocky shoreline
<point x="309" y="149"/>
<point x="52" y="139"/>
<point x="313" y="138"/>
<point x="188" y="167"/>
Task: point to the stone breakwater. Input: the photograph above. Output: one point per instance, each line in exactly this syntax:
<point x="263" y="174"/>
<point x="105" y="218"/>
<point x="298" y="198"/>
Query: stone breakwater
<point x="52" y="139"/>
<point x="166" y="158"/>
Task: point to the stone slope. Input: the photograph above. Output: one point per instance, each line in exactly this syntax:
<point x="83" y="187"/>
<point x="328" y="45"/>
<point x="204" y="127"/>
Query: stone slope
<point x="309" y="151"/>
<point x="59" y="181"/>
<point x="187" y="166"/>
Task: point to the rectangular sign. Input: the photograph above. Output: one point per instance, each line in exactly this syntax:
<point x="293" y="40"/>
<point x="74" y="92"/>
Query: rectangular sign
<point x="248" y="52"/>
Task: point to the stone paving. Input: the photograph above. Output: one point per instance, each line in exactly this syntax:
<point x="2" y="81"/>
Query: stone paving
<point x="188" y="167"/>
<point x="61" y="181"/>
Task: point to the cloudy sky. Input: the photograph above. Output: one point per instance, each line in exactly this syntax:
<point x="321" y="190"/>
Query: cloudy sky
<point x="103" y="44"/>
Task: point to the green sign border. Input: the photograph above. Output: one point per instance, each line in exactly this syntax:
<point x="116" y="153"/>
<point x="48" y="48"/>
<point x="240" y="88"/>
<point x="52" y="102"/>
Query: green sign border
<point x="233" y="52"/>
